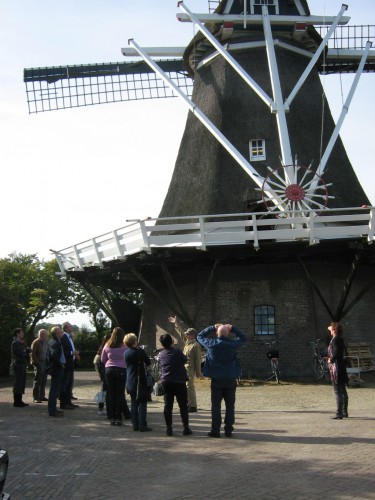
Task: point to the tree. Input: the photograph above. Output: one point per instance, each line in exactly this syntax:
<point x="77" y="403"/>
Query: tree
<point x="30" y="291"/>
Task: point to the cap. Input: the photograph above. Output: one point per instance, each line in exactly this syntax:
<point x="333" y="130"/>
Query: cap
<point x="191" y="331"/>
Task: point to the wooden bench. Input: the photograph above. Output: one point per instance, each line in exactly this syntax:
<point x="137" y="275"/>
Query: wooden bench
<point x="360" y="358"/>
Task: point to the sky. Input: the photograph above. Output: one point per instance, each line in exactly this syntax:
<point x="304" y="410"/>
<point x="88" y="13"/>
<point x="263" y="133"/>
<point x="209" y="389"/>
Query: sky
<point x="70" y="175"/>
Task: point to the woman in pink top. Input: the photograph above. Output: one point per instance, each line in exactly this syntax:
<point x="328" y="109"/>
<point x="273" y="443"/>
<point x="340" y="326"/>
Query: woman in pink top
<point x="113" y="358"/>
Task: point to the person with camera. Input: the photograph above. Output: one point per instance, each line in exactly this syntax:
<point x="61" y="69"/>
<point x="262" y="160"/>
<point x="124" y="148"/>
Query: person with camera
<point x="223" y="368"/>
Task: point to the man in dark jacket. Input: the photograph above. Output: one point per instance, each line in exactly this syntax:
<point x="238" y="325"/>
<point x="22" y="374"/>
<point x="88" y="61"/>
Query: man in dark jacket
<point x="222" y="366"/>
<point x="70" y="354"/>
<point x="55" y="362"/>
<point x="20" y="353"/>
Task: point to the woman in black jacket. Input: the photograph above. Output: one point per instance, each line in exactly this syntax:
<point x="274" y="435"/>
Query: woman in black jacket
<point x="337" y="370"/>
<point x="136" y="360"/>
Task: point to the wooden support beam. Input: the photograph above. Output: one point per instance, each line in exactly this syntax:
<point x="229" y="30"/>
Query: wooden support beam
<point x="155" y="293"/>
<point x="348" y="284"/>
<point x="96" y="295"/>
<point x="357" y="298"/>
<point x="172" y="287"/>
<point x="316" y="288"/>
<point x="205" y="292"/>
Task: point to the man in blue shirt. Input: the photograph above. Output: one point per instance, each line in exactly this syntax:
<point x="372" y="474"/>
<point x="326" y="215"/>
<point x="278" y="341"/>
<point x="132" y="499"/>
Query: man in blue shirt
<point x="223" y="367"/>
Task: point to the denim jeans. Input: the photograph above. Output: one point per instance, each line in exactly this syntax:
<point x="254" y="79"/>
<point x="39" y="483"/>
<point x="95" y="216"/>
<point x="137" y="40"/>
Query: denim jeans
<point x="138" y="412"/>
<point x="54" y="389"/>
<point x="222" y="389"/>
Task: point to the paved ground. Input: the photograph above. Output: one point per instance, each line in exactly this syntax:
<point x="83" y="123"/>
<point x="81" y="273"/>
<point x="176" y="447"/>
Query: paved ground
<point x="285" y="446"/>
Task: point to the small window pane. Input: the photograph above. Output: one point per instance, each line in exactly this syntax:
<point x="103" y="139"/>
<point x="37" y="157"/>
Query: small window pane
<point x="257" y="150"/>
<point x="264" y="320"/>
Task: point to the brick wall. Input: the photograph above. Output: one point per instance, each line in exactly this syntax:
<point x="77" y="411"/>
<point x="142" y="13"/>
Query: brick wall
<point x="299" y="314"/>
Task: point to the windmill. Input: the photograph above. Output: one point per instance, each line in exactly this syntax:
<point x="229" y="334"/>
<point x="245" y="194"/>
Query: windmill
<point x="260" y="160"/>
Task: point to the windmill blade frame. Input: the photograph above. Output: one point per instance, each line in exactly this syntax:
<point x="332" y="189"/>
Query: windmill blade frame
<point x="62" y="87"/>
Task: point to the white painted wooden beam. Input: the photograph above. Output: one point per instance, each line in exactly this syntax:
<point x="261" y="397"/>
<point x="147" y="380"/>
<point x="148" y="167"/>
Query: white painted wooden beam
<point x="257" y="19"/>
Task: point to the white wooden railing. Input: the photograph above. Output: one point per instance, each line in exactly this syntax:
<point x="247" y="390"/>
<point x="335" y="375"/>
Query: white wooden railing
<point x="209" y="230"/>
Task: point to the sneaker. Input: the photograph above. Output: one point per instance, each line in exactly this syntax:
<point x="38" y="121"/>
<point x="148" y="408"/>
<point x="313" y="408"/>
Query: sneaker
<point x="228" y="434"/>
<point x="337" y="417"/>
<point x="187" y="431"/>
<point x="44" y="399"/>
<point x="37" y="401"/>
<point x="145" y="429"/>
<point x="213" y="434"/>
<point x="169" y="432"/>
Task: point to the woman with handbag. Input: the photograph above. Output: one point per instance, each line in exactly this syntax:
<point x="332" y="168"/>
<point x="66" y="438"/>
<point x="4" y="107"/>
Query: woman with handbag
<point x="112" y="357"/>
<point x="136" y="360"/>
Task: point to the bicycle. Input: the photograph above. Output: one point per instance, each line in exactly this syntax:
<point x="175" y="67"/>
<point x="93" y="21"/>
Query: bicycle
<point x="273" y="355"/>
<point x="154" y="367"/>
<point x="319" y="361"/>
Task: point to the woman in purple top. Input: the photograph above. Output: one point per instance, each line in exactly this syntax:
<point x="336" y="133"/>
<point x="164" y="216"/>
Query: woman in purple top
<point x="173" y="378"/>
<point x="113" y="359"/>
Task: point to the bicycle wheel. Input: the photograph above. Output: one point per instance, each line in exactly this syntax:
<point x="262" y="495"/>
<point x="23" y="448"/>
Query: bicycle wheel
<point x="325" y="371"/>
<point x="277" y="375"/>
<point x="317" y="368"/>
<point x="275" y="369"/>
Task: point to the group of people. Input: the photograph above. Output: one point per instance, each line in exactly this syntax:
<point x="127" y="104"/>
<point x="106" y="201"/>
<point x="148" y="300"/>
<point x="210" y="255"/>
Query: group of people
<point x="56" y="358"/>
<point x="123" y="365"/>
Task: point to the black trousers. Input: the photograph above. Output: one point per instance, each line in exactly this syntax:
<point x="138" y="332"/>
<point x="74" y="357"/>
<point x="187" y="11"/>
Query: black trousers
<point x="115" y="378"/>
<point x="20" y="380"/>
<point x="172" y="390"/>
<point x="341" y="398"/>
<point x="67" y="387"/>
<point x="222" y="389"/>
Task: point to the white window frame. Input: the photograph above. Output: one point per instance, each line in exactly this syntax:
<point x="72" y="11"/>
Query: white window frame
<point x="257" y="150"/>
<point x="269" y="3"/>
<point x="267" y="314"/>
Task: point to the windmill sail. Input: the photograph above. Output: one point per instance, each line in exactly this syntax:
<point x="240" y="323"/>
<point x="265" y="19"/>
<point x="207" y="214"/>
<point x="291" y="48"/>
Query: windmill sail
<point x="61" y="87"/>
<point x="206" y="179"/>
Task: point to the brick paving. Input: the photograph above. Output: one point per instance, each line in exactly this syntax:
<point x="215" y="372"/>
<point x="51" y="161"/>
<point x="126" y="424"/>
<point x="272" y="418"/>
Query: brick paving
<point x="285" y="446"/>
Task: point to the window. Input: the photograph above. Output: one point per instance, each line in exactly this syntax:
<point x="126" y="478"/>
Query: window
<point x="264" y="320"/>
<point x="256" y="6"/>
<point x="257" y="150"/>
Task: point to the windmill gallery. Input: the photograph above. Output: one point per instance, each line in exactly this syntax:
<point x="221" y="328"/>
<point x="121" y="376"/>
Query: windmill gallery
<point x="265" y="224"/>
